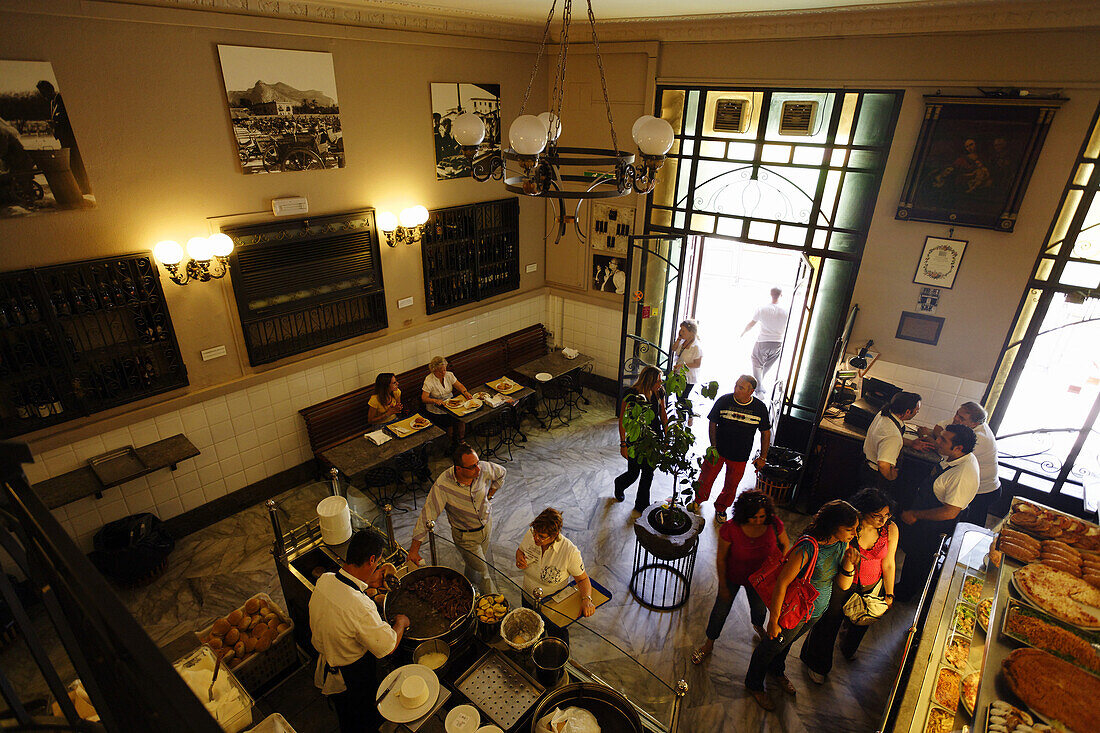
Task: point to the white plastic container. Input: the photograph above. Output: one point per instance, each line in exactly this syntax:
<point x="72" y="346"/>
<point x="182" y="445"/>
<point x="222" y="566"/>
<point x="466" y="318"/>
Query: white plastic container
<point x="232" y="705"/>
<point x="335" y="520"/>
<point x="273" y="723"/>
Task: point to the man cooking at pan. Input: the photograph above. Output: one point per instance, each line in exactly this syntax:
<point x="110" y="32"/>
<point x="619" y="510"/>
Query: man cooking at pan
<point x="350" y="635"/>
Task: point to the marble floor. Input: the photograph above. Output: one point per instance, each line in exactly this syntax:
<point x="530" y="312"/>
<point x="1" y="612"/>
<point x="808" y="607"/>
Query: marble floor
<point x="571" y="468"/>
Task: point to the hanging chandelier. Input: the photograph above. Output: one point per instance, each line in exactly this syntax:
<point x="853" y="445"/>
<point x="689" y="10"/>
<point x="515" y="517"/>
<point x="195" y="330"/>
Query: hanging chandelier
<point x="535" y="165"/>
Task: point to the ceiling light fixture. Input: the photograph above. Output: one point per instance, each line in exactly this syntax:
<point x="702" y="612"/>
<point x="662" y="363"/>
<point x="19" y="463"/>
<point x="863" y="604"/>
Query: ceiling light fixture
<point x="542" y="164"/>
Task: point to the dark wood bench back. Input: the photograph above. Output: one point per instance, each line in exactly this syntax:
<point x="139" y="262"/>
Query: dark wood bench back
<point x="412" y="384"/>
<point x="526" y="344"/>
<point x="337" y="420"/>
<point x="477" y="365"/>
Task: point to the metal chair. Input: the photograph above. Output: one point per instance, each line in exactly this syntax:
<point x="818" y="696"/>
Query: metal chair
<point x="576" y="394"/>
<point x="555" y="398"/>
<point x="377" y="483"/>
<point x="489" y="437"/>
<point x="412" y="467"/>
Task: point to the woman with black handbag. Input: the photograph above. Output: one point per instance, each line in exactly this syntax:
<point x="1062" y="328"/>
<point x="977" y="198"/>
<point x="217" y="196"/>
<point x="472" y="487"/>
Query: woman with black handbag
<point x="876" y="541"/>
<point x="825" y="540"/>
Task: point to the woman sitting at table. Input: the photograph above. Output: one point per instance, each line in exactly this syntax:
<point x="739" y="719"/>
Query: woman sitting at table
<point x="440" y="386"/>
<point x="548" y="560"/>
<point x="384" y="405"/>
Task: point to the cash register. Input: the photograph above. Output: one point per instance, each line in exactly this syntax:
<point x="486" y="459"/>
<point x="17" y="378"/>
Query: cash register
<point x="873" y="395"/>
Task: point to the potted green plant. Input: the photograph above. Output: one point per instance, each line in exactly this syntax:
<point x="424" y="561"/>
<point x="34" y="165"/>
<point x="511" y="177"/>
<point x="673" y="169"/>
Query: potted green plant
<point x="669" y="451"/>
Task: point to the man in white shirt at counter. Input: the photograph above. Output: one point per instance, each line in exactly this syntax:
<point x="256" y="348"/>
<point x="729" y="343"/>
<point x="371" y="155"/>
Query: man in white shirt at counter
<point x="940" y="501"/>
<point x="973" y="416"/>
<point x="769" y="342"/>
<point x="350" y="635"/>
<point x="464" y="492"/>
<point x="883" y="444"/>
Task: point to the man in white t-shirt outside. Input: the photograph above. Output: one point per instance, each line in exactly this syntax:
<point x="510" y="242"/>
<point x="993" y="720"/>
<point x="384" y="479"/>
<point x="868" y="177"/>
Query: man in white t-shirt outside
<point x="974" y="416"/>
<point x="769" y="342"/>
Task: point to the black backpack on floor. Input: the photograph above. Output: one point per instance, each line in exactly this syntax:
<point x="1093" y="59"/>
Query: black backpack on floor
<point x="133" y="549"/>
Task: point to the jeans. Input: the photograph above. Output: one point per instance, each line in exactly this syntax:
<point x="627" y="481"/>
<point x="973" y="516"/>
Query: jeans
<point x="770" y="656"/>
<point x="477" y="555"/>
<point x="735" y="470"/>
<point x="817" y="650"/>
<point x="628" y="477"/>
<point x="757" y="610"/>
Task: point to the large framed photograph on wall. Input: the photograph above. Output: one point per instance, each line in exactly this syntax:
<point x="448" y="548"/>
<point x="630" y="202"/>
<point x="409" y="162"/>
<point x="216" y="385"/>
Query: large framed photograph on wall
<point x="974" y="158"/>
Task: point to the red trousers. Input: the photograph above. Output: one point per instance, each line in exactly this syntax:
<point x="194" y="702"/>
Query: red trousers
<point x="734" y="471"/>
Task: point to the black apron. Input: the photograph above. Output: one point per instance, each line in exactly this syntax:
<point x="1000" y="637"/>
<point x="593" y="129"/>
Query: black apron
<point x="921" y="540"/>
<point x="870" y="476"/>
<point x="355" y="706"/>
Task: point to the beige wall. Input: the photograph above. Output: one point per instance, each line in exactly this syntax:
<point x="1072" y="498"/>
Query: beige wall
<point x="979" y="310"/>
<point x="144" y="91"/>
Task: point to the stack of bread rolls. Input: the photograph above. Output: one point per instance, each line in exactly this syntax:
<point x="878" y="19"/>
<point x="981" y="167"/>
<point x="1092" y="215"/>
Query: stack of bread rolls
<point x="249" y="630"/>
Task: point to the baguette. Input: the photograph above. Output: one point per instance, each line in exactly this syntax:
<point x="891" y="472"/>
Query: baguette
<point x="1017" y="551"/>
<point x="1020" y="538"/>
<point x="1058" y="544"/>
<point x="1070" y="555"/>
<point x="1065" y="567"/>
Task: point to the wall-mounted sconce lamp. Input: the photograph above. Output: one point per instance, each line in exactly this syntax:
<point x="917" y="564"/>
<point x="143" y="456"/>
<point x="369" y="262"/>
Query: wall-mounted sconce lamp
<point x="406" y="229"/>
<point x="209" y="258"/>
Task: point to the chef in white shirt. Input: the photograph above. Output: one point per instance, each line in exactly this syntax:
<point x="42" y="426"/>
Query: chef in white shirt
<point x="548" y="561"/>
<point x="769" y="342"/>
<point x="883" y="444"/>
<point x="351" y="636"/>
<point x="974" y="416"/>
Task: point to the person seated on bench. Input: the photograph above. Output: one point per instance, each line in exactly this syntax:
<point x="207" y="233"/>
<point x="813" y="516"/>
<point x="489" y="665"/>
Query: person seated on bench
<point x="384" y="405"/>
<point x="440" y="386"/>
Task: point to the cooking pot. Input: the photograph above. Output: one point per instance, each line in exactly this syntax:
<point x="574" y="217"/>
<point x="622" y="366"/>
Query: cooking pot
<point x="613" y="712"/>
<point x="426" y="622"/>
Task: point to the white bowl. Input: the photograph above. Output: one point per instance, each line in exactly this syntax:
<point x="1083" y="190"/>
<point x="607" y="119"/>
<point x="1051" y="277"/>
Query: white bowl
<point x="544" y="376"/>
<point x="463" y="719"/>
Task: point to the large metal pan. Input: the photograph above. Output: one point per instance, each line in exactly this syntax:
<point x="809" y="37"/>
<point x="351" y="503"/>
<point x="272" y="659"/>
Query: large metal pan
<point x="613" y="712"/>
<point x="426" y="622"/>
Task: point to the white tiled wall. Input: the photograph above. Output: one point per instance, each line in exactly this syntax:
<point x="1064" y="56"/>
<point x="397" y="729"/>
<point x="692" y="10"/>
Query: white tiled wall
<point x="940" y="393"/>
<point x="253" y="433"/>
<point x="592" y="329"/>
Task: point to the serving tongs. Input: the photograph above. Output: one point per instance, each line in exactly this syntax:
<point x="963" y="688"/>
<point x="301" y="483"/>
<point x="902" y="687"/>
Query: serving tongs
<point x="217" y="668"/>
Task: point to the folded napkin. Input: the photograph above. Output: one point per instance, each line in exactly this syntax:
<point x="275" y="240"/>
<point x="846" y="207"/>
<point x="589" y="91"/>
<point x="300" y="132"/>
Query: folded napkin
<point x="570" y="353"/>
<point x="495" y="400"/>
<point x="402" y="432"/>
<point x="377" y="437"/>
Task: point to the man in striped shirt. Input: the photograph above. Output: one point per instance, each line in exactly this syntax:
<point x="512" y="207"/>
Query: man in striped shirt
<point x="464" y="491"/>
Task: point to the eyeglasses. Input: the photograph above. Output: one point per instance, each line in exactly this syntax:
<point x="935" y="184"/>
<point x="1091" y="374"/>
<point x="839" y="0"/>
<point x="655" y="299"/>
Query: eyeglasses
<point x="541" y="536"/>
<point x="476" y="468"/>
<point x="884" y="517"/>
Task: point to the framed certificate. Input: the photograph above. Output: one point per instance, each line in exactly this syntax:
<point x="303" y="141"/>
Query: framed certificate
<point x="939" y="262"/>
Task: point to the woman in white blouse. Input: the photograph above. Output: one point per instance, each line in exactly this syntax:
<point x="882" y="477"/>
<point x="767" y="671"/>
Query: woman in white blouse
<point x="688" y="353"/>
<point x="548" y="561"/>
<point x="440" y="386"/>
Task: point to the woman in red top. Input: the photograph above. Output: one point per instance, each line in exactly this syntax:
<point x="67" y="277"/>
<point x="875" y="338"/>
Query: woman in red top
<point x="753" y="535"/>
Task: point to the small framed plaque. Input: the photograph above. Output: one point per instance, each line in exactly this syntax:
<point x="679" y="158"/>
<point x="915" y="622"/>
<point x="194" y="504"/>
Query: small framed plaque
<point x="919" y="327"/>
<point x="939" y="262"/>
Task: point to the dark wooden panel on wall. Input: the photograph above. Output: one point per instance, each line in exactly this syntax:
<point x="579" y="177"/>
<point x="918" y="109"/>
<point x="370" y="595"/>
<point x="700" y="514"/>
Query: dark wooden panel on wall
<point x="80" y="338"/>
<point x="305" y="283"/>
<point x="470" y="253"/>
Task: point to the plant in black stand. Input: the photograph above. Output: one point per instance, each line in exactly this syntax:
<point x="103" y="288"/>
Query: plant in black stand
<point x="669" y="451"/>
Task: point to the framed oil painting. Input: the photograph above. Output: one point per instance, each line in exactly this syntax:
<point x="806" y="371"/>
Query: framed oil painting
<point x="973" y="160"/>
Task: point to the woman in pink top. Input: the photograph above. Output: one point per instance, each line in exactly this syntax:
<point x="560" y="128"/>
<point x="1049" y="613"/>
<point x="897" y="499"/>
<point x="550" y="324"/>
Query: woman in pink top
<point x="877" y="541"/>
<point x="753" y="535"/>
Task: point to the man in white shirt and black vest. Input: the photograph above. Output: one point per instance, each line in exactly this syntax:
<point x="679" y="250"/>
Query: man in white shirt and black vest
<point x="351" y="636"/>
<point x="940" y="501"/>
<point x="883" y="444"/>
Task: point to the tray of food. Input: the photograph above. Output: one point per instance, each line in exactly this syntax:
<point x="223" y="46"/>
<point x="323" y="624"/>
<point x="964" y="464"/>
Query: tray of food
<point x="956" y="651"/>
<point x="939" y="720"/>
<point x="1053" y="689"/>
<point x="985" y="608"/>
<point x="1064" y="596"/>
<point x="461" y="406"/>
<point x="964" y="618"/>
<point x="1045" y="523"/>
<point x="408" y="426"/>
<point x="946" y="691"/>
<point x="971" y="590"/>
<point x="1037" y="629"/>
<point x="1006" y="718"/>
<point x="505" y="386"/>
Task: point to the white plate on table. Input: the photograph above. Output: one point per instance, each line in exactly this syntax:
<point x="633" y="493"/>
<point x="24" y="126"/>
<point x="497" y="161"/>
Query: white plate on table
<point x="544" y="376"/>
<point x="473" y="405"/>
<point x="391" y="708"/>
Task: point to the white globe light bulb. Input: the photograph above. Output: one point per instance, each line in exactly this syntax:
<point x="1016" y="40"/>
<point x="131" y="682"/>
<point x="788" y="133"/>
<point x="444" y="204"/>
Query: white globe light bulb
<point x="387" y="222"/>
<point x="199" y="248"/>
<point x="221" y="244"/>
<point x="527" y="135"/>
<point x="552" y="123"/>
<point x="468" y="129"/>
<point x="408" y="217"/>
<point x="655" y="137"/>
<point x="637" y="124"/>
<point x="168" y="252"/>
<point x="420" y="214"/>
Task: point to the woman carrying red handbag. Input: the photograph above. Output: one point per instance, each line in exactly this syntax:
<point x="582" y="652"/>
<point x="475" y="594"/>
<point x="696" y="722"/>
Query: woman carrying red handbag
<point x="827" y="537"/>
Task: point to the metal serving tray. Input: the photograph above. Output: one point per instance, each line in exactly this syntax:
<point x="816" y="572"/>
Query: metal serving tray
<point x="1015" y="607"/>
<point x="499" y="688"/>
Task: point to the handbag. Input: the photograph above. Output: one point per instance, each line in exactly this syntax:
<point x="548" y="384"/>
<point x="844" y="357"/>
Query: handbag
<point x="863" y="609"/>
<point x="798" y="603"/>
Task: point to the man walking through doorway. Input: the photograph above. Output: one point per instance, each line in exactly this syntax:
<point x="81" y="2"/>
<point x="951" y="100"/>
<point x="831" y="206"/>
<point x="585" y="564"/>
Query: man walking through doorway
<point x="769" y="342"/>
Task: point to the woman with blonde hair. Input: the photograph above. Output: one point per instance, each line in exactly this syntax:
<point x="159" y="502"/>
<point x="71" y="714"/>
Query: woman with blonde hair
<point x="688" y="354"/>
<point x="440" y="386"/>
<point x="647" y="389"/>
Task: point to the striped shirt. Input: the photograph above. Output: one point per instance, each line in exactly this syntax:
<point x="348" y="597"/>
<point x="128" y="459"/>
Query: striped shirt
<point x="467" y="507"/>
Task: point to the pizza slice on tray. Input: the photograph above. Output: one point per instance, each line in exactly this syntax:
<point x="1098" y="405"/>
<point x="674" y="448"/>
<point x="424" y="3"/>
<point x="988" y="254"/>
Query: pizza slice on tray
<point x="1063" y="595"/>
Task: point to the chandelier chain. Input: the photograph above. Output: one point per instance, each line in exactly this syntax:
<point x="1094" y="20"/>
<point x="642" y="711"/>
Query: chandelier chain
<point x="538" y="57"/>
<point x="603" y="77"/>
<point x="558" y="92"/>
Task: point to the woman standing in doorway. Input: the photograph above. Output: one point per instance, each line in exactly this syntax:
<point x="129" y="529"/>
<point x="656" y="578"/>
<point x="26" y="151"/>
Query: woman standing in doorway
<point x="649" y="390"/>
<point x="688" y="353"/>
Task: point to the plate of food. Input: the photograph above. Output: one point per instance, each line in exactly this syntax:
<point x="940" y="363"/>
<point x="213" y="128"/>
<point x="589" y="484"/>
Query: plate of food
<point x="544" y="376"/>
<point x="948" y="685"/>
<point x="957" y="651"/>
<point x="1053" y="689"/>
<point x="1062" y="595"/>
<point x="455" y="402"/>
<point x="969" y="696"/>
<point x="1034" y="628"/>
<point x="971" y="590"/>
<point x="420" y="422"/>
<point x="964" y="618"/>
<point x="984" y="609"/>
<point x="474" y="404"/>
<point x="939" y="720"/>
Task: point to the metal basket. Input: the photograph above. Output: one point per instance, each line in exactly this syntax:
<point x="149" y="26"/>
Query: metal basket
<point x="778" y="489"/>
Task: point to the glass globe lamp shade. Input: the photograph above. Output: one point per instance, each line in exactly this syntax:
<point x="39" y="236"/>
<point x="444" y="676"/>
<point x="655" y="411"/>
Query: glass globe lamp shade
<point x="387" y="222"/>
<point x="552" y="123"/>
<point x="168" y="252"/>
<point x="638" y="123"/>
<point x="420" y="214"/>
<point x="654" y="137"/>
<point x="407" y="217"/>
<point x="221" y="244"/>
<point x="199" y="248"/>
<point x="468" y="129"/>
<point x="527" y="135"/>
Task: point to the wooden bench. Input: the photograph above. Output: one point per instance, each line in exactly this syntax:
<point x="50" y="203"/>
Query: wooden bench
<point x="340" y="419"/>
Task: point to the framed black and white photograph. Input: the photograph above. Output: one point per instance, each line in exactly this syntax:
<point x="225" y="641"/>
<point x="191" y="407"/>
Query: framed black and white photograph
<point x="939" y="262"/>
<point x="609" y="274"/>
<point x="919" y="327"/>
<point x="41" y="168"/>
<point x="612" y="226"/>
<point x="974" y="158"/>
<point x="284" y="108"/>
<point x="449" y="100"/>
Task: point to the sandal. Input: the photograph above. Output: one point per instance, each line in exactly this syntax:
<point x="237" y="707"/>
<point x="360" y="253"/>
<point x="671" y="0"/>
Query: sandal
<point x="699" y="655"/>
<point x="762" y="700"/>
